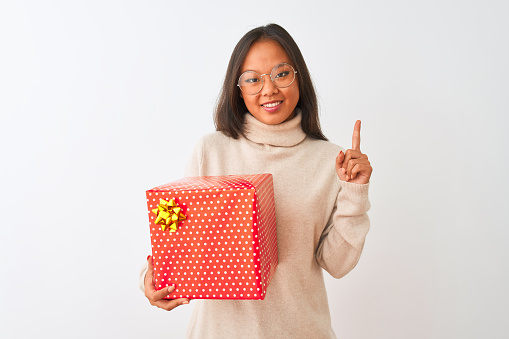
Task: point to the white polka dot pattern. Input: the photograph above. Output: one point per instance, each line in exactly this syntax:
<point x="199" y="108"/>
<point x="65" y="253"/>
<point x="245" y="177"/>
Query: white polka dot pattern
<point x="227" y="246"/>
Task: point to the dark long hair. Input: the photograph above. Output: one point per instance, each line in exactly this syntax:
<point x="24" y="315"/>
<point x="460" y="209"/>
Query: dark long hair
<point x="230" y="108"/>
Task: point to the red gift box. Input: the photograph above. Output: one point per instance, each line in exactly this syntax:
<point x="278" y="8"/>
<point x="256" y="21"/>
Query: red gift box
<point x="214" y="237"/>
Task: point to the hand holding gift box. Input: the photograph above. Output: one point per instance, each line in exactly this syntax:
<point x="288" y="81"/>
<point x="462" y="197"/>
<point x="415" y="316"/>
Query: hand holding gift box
<point x="214" y="237"/>
<point x="156" y="298"/>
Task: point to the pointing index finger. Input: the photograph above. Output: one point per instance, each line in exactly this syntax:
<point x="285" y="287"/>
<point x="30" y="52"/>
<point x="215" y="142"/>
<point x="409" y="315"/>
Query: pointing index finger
<point x="356" y="137"/>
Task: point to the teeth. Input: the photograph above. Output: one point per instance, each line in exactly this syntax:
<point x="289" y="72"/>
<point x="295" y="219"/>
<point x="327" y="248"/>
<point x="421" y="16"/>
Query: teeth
<point x="274" y="104"/>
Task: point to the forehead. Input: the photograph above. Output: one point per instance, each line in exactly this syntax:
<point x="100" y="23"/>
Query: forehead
<point x="264" y="55"/>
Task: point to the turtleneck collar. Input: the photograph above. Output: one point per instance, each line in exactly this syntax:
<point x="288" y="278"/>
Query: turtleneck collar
<point x="285" y="134"/>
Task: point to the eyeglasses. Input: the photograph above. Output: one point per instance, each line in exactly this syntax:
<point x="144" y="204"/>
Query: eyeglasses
<point x="282" y="75"/>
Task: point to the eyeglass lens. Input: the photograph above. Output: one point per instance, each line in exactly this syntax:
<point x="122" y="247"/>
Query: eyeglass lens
<point x="282" y="75"/>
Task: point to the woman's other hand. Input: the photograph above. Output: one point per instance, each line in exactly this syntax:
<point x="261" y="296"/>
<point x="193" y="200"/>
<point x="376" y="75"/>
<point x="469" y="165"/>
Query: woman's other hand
<point x="353" y="166"/>
<point x="156" y="297"/>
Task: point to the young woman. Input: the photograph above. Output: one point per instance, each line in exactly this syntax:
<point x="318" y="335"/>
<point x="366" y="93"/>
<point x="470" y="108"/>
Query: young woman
<point x="267" y="122"/>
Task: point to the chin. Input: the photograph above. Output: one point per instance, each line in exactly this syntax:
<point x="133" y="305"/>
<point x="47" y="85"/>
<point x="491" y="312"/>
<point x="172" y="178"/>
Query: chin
<point x="275" y="118"/>
<point x="271" y="120"/>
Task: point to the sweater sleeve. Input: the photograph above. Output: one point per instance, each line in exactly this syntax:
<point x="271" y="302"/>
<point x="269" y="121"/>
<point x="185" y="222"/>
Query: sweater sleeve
<point x="342" y="240"/>
<point x="141" y="279"/>
<point x="193" y="168"/>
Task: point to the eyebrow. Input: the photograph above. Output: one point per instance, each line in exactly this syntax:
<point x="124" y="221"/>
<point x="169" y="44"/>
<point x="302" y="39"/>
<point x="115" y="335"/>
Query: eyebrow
<point x="252" y="70"/>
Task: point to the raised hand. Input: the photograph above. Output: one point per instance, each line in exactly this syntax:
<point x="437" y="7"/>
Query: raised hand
<point x="353" y="166"/>
<point x="156" y="297"/>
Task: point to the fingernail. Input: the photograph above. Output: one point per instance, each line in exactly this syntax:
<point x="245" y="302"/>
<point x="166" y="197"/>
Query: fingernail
<point x="171" y="288"/>
<point x="148" y="257"/>
<point x="185" y="302"/>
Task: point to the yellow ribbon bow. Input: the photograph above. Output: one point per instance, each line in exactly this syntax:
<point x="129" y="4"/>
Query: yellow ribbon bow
<point x="168" y="214"/>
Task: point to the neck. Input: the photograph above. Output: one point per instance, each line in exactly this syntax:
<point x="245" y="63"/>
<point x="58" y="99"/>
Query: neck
<point x="286" y="134"/>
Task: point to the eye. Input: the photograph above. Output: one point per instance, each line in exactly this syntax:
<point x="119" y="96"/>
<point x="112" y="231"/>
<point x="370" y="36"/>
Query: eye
<point x="251" y="80"/>
<point x="282" y="74"/>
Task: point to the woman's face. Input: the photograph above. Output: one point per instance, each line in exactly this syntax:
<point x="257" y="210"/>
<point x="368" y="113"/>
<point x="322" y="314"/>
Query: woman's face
<point x="272" y="105"/>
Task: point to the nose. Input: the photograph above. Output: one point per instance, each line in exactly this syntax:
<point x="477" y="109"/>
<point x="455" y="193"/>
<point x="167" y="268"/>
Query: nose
<point x="268" y="86"/>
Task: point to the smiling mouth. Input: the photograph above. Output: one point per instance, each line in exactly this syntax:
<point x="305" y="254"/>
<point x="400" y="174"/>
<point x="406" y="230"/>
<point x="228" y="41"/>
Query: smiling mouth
<point x="272" y="104"/>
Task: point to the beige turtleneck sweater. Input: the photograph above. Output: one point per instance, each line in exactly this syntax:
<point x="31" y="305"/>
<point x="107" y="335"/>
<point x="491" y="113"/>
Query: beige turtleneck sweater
<point x="321" y="223"/>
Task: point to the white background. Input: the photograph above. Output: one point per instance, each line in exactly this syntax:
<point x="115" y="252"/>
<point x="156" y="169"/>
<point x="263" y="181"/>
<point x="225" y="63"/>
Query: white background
<point x="102" y="100"/>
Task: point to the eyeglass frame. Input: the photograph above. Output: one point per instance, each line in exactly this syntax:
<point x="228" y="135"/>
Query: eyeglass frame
<point x="270" y="75"/>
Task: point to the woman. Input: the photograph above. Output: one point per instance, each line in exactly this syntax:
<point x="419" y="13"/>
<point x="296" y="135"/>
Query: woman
<point x="267" y="122"/>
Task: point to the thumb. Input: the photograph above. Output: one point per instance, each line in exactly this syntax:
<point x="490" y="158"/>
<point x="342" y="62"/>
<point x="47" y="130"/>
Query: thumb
<point x="339" y="166"/>
<point x="149" y="275"/>
<point x="339" y="160"/>
<point x="150" y="263"/>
